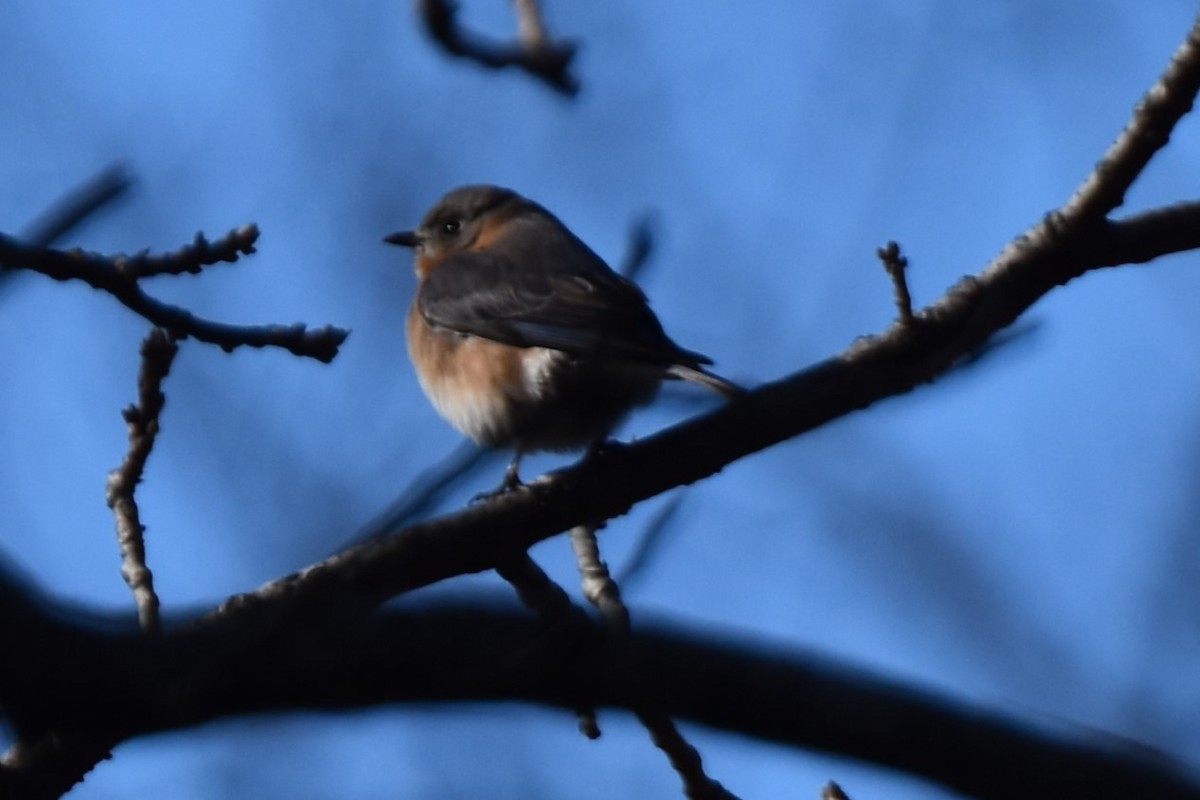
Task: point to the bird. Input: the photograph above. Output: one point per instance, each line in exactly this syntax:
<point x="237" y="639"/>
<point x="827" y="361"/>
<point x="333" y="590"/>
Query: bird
<point x="522" y="337"/>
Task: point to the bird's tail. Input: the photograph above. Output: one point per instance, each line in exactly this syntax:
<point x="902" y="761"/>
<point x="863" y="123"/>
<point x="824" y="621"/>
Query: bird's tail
<point x="707" y="379"/>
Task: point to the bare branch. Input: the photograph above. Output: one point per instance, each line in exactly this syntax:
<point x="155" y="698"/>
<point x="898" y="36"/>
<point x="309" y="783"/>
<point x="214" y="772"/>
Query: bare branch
<point x="158" y="351"/>
<point x="49" y="765"/>
<point x="110" y="184"/>
<point x="1147" y="132"/>
<point x="641" y="247"/>
<point x="191" y="258"/>
<point x="597" y="584"/>
<point x="602" y="592"/>
<point x="1143" y="237"/>
<point x="118" y="275"/>
<point x="425" y="489"/>
<point x="546" y="59"/>
<point x="650" y="539"/>
<point x="550" y="603"/>
<point x="205" y="671"/>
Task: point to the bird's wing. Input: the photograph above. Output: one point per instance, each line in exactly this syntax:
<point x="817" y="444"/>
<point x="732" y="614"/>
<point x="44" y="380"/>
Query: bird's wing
<point x="600" y="313"/>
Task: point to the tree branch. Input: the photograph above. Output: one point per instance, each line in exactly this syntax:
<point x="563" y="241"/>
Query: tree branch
<point x="138" y="684"/>
<point x="110" y="184"/>
<point x="158" y="351"/>
<point x="603" y="593"/>
<point x="546" y="59"/>
<point x="119" y="276"/>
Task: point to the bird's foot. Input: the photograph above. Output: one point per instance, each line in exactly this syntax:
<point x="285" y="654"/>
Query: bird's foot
<point x="511" y="483"/>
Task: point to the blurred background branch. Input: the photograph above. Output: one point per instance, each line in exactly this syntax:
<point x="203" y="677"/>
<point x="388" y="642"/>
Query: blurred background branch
<point x="138" y="684"/>
<point x="536" y="54"/>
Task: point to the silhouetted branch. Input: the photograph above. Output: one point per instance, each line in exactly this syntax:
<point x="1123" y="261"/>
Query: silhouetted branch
<point x="424" y="490"/>
<point x="106" y="186"/>
<point x="1147" y="132"/>
<point x="550" y="603"/>
<point x="641" y="247"/>
<point x="49" y="765"/>
<point x="546" y="59"/>
<point x="1143" y="237"/>
<point x="72" y="209"/>
<point x="119" y="275"/>
<point x="650" y="538"/>
<point x="207" y="670"/>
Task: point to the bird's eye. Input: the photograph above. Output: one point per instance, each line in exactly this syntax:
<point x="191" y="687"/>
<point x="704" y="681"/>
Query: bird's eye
<point x="451" y="227"/>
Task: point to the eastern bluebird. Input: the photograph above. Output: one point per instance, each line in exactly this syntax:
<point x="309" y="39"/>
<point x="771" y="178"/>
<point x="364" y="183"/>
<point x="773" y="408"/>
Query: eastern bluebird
<point x="522" y="336"/>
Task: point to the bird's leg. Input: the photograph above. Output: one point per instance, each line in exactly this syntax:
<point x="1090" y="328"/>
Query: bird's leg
<point x="511" y="482"/>
<point x="512" y="476"/>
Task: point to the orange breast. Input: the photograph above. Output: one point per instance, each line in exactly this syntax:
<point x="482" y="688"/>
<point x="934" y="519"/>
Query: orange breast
<point x="532" y="398"/>
<point x="476" y="384"/>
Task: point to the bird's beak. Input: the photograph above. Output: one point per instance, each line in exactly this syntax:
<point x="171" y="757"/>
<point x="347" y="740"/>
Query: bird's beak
<point x="403" y="238"/>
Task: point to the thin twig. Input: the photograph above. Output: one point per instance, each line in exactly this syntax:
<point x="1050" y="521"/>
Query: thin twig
<point x="650" y="539"/>
<point x="602" y="592"/>
<point x="102" y="189"/>
<point x="595" y="582"/>
<point x="424" y="490"/>
<point x="118" y="275"/>
<point x="72" y="209"/>
<point x="896" y="264"/>
<point x="641" y="247"/>
<point x="158" y="350"/>
<point x="546" y="59"/>
<point x="192" y="257"/>
<point x="531" y="32"/>
<point x="547" y="600"/>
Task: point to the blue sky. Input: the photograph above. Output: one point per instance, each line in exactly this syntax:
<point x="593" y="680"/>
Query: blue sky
<point x="1020" y="534"/>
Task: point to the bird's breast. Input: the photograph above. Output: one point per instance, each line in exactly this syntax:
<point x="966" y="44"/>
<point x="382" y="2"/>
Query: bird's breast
<point x="483" y="388"/>
<point x="532" y="398"/>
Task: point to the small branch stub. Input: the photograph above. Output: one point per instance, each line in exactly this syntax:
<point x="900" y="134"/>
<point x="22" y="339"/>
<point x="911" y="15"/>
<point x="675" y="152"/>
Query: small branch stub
<point x="895" y="263"/>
